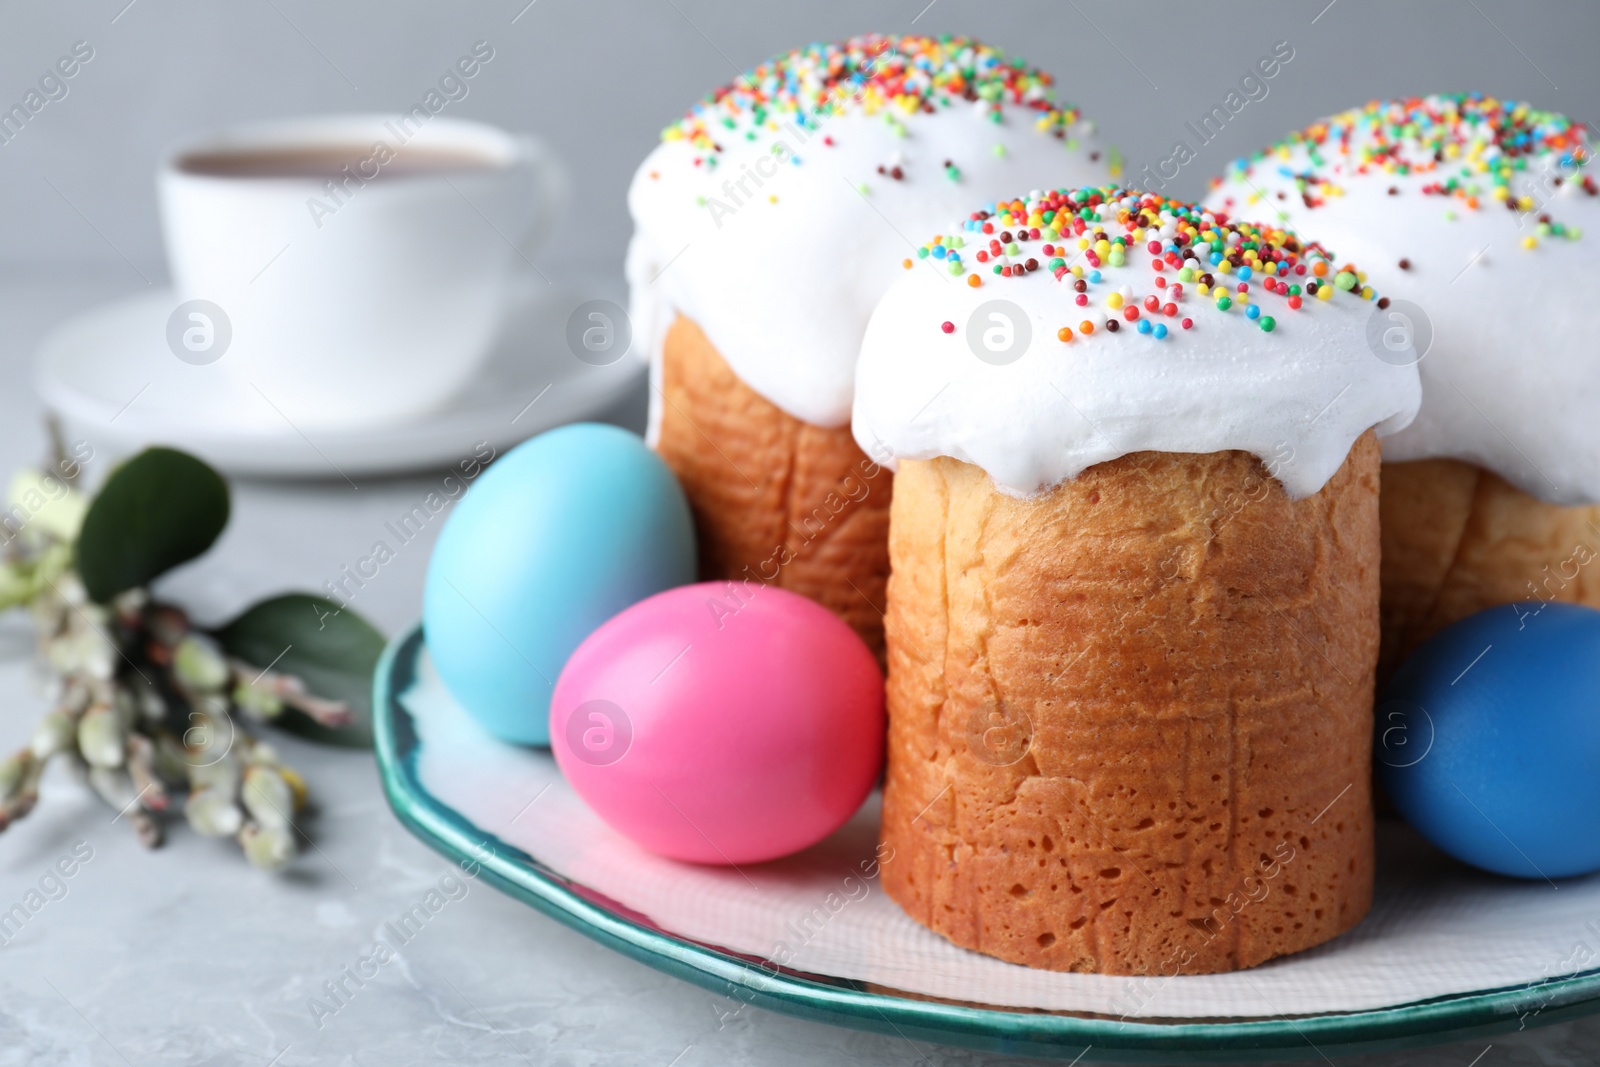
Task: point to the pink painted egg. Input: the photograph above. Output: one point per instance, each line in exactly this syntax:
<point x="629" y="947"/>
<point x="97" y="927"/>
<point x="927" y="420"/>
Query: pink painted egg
<point x="722" y="723"/>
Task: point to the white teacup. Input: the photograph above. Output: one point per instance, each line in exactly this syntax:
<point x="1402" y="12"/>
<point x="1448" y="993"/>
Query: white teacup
<point x="353" y="268"/>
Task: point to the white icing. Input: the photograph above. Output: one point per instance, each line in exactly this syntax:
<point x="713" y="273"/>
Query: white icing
<point x="1511" y="381"/>
<point x="767" y="281"/>
<point x="649" y="316"/>
<point x="1297" y="397"/>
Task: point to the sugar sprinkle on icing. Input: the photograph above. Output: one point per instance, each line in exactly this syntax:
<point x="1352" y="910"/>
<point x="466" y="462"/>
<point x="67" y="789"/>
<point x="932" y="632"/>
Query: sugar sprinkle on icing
<point x="1109" y="243"/>
<point x="895" y="77"/>
<point x="1471" y="148"/>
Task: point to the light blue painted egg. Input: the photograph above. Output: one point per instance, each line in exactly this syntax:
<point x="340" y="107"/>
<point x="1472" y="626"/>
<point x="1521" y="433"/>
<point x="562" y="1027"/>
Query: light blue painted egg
<point x="1488" y="740"/>
<point x="565" y="531"/>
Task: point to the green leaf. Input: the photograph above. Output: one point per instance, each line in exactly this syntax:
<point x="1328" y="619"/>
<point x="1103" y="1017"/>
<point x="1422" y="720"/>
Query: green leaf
<point x="332" y="650"/>
<point x="159" y="509"/>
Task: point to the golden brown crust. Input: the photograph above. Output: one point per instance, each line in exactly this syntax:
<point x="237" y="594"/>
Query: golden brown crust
<point x="775" y="499"/>
<point x="1458" y="539"/>
<point x="1130" y="720"/>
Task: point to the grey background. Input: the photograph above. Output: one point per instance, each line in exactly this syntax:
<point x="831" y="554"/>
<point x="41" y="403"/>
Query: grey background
<point x="185" y="956"/>
<point x="599" y="79"/>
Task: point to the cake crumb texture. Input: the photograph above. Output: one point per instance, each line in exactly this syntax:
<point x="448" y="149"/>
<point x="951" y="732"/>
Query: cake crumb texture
<point x="1458" y="538"/>
<point x="775" y="500"/>
<point x="1130" y="719"/>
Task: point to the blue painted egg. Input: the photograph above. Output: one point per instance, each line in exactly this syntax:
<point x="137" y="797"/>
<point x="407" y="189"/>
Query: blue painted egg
<point x="566" y="530"/>
<point x="1488" y="740"/>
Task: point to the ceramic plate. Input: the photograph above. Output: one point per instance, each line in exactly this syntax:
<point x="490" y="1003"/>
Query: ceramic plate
<point x="111" y="377"/>
<point x="1446" y="954"/>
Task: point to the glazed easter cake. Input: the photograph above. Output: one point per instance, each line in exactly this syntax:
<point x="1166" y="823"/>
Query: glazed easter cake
<point x="1475" y="207"/>
<point x="1132" y="620"/>
<point x="752" y="321"/>
<point x="1138" y="568"/>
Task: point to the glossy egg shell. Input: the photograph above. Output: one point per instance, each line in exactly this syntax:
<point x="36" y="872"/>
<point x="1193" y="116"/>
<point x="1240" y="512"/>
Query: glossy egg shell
<point x="722" y="723"/>
<point x="557" y="536"/>
<point x="1488" y="740"/>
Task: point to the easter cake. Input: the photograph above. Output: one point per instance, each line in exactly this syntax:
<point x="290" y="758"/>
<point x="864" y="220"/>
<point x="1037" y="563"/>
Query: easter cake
<point x="1475" y="207"/>
<point x="753" y="325"/>
<point x="1132" y="616"/>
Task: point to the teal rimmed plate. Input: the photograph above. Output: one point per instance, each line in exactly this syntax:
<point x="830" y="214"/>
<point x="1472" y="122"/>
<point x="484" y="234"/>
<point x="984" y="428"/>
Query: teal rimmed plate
<point x="1447" y="954"/>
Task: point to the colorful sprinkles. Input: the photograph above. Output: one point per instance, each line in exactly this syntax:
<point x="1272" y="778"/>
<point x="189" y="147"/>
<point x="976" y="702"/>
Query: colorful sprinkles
<point x="895" y="77"/>
<point x="1472" y="148"/>
<point x="1175" y="252"/>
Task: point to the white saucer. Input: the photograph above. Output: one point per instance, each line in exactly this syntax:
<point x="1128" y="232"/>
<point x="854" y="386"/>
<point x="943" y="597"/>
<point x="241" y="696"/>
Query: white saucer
<point x="111" y="378"/>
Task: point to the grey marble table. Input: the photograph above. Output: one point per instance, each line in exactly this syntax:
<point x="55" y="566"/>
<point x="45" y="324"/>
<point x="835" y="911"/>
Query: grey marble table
<point x="188" y="956"/>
